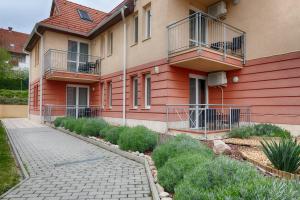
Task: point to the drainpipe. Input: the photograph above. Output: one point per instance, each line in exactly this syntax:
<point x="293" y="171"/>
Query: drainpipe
<point x="41" y="72"/>
<point x="124" y="64"/>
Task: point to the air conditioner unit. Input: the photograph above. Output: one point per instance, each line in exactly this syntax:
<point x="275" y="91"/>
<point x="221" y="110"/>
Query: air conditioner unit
<point x="218" y="9"/>
<point x="217" y="79"/>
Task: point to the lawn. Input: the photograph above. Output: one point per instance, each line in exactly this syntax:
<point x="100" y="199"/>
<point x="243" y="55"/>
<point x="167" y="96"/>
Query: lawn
<point x="8" y="171"/>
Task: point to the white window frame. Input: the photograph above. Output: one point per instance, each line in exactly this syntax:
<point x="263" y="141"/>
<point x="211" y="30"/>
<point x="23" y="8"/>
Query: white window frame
<point x="135" y="85"/>
<point x="135" y="34"/>
<point x="78" y="52"/>
<point x="110" y="43"/>
<point x="148" y="22"/>
<point x="102" y="47"/>
<point x="147" y="76"/>
<point x="103" y="95"/>
<point x="110" y="95"/>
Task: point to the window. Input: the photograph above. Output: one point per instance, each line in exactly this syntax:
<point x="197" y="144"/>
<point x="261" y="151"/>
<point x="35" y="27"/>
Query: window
<point x="135" y="91"/>
<point x="135" y="29"/>
<point x="37" y="54"/>
<point x="148" y="20"/>
<point x="110" y="94"/>
<point x="102" y="95"/>
<point x="102" y="47"/>
<point x="84" y="15"/>
<point x="147" y="91"/>
<point x="110" y="44"/>
<point x="35" y="96"/>
<point x="77" y="56"/>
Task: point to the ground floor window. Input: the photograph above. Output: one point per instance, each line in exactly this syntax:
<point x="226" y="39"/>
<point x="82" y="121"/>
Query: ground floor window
<point x="147" y="90"/>
<point x="109" y="94"/>
<point x="35" y="96"/>
<point x="102" y="95"/>
<point x="135" y="91"/>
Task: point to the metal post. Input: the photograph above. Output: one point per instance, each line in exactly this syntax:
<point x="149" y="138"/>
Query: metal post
<point x="224" y="41"/>
<point x="230" y="118"/>
<point x="205" y="122"/>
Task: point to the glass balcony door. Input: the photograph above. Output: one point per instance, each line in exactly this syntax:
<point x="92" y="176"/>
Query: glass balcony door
<point x="78" y="54"/>
<point x="77" y="101"/>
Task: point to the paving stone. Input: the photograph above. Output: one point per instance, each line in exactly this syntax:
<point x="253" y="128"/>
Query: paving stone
<point x="64" y="167"/>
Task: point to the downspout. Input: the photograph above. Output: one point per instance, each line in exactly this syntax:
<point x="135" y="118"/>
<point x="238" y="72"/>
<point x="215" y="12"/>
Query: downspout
<point x="41" y="72"/>
<point x="124" y="65"/>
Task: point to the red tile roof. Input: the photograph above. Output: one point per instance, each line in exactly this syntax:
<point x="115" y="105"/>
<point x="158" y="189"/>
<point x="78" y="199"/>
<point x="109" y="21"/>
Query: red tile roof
<point x="66" y="16"/>
<point x="12" y="41"/>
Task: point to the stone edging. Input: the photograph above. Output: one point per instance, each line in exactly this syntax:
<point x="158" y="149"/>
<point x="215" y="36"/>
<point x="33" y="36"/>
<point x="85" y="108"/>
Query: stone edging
<point x="24" y="174"/>
<point x="276" y="172"/>
<point x="143" y="161"/>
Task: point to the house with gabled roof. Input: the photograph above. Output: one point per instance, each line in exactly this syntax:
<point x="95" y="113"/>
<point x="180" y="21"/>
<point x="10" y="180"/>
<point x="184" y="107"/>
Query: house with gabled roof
<point x="195" y="66"/>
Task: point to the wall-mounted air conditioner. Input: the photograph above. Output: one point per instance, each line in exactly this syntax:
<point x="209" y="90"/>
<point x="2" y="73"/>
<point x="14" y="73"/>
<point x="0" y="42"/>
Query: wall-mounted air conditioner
<point x="217" y="79"/>
<point x="218" y="9"/>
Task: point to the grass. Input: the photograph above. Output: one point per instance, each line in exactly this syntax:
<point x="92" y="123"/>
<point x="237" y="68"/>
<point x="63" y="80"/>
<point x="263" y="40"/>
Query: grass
<point x="8" y="171"/>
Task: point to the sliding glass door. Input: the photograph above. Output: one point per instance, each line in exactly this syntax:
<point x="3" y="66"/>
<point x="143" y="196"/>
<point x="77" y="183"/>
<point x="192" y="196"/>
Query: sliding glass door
<point x="77" y="100"/>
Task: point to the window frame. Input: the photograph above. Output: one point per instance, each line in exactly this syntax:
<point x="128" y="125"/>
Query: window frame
<point x="37" y="54"/>
<point x="110" y="94"/>
<point x="147" y="76"/>
<point x="102" y="47"/>
<point x="136" y="28"/>
<point x="110" y="43"/>
<point x="148" y="22"/>
<point x="82" y="16"/>
<point x="102" y="95"/>
<point x="135" y="92"/>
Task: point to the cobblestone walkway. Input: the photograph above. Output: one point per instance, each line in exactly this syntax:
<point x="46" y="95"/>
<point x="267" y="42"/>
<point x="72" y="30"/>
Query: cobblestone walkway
<point x="63" y="167"/>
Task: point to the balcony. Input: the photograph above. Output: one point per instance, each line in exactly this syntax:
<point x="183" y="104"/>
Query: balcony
<point x="202" y="42"/>
<point x="70" y="66"/>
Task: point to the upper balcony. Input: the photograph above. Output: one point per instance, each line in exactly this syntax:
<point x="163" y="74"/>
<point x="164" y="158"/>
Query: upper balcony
<point x="71" y="66"/>
<point x="202" y="42"/>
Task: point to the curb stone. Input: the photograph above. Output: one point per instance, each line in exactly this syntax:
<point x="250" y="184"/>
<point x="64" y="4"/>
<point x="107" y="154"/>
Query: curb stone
<point x="143" y="161"/>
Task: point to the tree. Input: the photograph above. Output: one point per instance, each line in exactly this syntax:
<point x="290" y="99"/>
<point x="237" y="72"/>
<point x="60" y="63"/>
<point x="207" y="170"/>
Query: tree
<point x="5" y="65"/>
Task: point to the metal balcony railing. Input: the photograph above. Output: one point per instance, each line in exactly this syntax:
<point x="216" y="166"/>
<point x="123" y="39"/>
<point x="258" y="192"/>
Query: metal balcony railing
<point x="202" y="30"/>
<point x="53" y="111"/>
<point x="207" y="117"/>
<point x="57" y="60"/>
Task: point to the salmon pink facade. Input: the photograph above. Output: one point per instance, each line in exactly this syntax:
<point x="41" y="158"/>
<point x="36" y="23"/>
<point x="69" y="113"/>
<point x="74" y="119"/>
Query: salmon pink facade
<point x="170" y="65"/>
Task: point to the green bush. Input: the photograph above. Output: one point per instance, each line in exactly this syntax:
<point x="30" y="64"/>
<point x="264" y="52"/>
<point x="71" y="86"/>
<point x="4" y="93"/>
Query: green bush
<point x="175" y="168"/>
<point x="13" y="97"/>
<point x="78" y="126"/>
<point x="284" y="155"/>
<point x="69" y="123"/>
<point x="224" y="178"/>
<point x="137" y="139"/>
<point x="265" y="130"/>
<point x="178" y="145"/>
<point x="58" y="121"/>
<point x="104" y="131"/>
<point x="92" y="127"/>
<point x="113" y="134"/>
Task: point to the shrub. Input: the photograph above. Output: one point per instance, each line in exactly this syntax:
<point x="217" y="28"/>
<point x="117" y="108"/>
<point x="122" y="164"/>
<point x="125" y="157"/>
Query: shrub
<point x="174" y="147"/>
<point x="175" y="168"/>
<point x="69" y="123"/>
<point x="224" y="178"/>
<point x="113" y="134"/>
<point x="79" y="124"/>
<point x="137" y="139"/>
<point x="92" y="127"/>
<point x="58" y="121"/>
<point x="265" y="130"/>
<point x="104" y="131"/>
<point x="284" y="155"/>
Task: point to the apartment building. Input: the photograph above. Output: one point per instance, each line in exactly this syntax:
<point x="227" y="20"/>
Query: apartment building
<point x="197" y="66"/>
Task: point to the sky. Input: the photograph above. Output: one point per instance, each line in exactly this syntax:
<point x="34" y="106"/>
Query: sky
<point x="23" y="14"/>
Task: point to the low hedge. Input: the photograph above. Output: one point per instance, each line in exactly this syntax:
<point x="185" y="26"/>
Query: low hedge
<point x="137" y="139"/>
<point x="92" y="127"/>
<point x="113" y="133"/>
<point x="175" y="168"/>
<point x="224" y="178"/>
<point x="179" y="145"/>
<point x="58" y="121"/>
<point x="264" y="130"/>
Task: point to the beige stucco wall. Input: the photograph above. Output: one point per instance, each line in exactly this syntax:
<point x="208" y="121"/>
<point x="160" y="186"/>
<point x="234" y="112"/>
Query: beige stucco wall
<point x="13" y="111"/>
<point x="34" y="67"/>
<point x="272" y="26"/>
